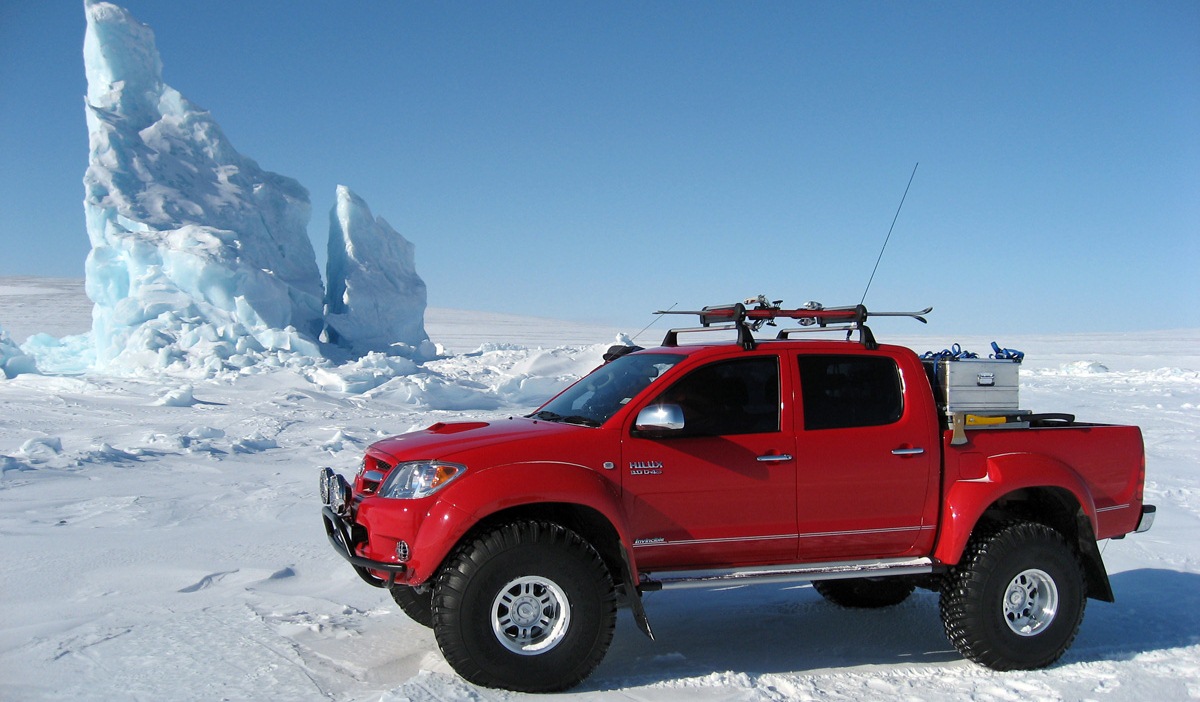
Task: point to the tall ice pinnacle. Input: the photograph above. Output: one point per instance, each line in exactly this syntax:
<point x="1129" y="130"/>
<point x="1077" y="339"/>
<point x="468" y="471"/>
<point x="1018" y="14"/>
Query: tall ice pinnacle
<point x="376" y="300"/>
<point x="197" y="253"/>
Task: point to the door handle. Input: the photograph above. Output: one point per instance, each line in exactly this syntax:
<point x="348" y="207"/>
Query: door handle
<point x="775" y="458"/>
<point x="908" y="451"/>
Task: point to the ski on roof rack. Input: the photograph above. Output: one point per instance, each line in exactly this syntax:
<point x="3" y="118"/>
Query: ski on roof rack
<point x="747" y="320"/>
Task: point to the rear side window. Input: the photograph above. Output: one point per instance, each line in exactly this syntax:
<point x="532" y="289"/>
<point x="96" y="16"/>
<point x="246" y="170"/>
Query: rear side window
<point x="850" y="391"/>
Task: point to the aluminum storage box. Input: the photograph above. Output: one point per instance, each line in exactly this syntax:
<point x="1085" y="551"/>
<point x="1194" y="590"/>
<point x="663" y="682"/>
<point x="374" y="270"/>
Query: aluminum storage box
<point x="984" y="385"/>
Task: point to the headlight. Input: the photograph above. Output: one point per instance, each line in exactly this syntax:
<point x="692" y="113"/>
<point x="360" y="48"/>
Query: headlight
<point x="409" y="481"/>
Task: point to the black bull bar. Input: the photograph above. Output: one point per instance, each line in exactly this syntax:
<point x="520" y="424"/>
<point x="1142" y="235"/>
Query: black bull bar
<point x="338" y="529"/>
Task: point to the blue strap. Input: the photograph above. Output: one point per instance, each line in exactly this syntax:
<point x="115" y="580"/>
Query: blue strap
<point x="954" y="353"/>
<point x="1010" y="354"/>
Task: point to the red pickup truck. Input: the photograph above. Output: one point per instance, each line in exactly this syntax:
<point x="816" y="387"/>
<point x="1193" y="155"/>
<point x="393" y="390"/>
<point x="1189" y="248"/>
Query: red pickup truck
<point x="701" y="464"/>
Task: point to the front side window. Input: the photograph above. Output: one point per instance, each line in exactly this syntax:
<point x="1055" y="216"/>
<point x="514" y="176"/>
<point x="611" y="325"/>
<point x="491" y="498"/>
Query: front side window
<point x="728" y="397"/>
<point x="850" y="391"/>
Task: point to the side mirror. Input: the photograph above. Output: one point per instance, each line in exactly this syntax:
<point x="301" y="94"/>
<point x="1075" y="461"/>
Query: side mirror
<point x="660" y="418"/>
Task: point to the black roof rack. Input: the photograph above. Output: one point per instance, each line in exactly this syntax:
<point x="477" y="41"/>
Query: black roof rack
<point x="812" y="317"/>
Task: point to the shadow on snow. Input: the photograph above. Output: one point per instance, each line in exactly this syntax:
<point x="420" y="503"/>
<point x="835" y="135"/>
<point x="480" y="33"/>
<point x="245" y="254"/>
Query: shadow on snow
<point x="760" y="630"/>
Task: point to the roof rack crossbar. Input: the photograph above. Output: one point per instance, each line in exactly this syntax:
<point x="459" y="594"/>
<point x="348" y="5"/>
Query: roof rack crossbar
<point x="745" y="335"/>
<point x="865" y="336"/>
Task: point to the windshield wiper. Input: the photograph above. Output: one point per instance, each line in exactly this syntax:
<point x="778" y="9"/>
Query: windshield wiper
<point x="579" y="419"/>
<point x="548" y="416"/>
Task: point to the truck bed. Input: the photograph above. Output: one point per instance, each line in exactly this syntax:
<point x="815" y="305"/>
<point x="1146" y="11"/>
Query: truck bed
<point x="1107" y="462"/>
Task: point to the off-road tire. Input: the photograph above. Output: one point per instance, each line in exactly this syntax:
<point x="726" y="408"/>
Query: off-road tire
<point x="528" y="606"/>
<point x="1016" y="600"/>
<point x="865" y="593"/>
<point x="418" y="605"/>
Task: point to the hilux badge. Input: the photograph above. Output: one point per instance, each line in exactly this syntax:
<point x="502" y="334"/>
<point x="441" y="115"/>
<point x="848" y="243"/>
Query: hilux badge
<point x="645" y="467"/>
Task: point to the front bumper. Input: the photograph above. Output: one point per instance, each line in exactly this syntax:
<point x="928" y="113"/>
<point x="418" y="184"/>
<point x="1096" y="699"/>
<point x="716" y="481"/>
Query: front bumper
<point x="340" y="531"/>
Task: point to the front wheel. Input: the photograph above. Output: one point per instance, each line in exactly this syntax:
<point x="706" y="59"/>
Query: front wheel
<point x="1016" y="600"/>
<point x="528" y="606"/>
<point x="417" y="604"/>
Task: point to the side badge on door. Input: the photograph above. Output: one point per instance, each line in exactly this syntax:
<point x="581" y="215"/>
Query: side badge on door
<point x="645" y="467"/>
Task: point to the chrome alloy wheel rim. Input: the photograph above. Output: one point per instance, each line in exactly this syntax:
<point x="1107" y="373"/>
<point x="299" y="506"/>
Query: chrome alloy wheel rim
<point x="530" y="615"/>
<point x="1030" y="602"/>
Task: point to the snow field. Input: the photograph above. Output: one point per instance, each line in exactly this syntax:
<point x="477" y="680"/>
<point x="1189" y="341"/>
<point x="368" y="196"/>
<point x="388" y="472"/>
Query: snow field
<point x="162" y="541"/>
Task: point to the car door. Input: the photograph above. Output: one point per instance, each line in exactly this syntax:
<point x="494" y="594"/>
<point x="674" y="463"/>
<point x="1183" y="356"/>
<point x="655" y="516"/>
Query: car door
<point x="866" y="459"/>
<point x="721" y="491"/>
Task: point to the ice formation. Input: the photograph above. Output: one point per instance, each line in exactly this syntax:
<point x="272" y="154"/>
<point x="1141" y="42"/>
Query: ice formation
<point x="375" y="300"/>
<point x="199" y="257"/>
<point x="13" y="361"/>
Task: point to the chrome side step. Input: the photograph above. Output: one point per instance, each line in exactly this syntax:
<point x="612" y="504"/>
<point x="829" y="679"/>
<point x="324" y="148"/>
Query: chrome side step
<point x="770" y="575"/>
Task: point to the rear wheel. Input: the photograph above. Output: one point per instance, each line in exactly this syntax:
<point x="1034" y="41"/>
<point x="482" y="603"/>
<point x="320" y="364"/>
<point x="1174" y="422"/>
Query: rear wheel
<point x="1016" y="600"/>
<point x="528" y="606"/>
<point x="417" y="604"/>
<point x="865" y="593"/>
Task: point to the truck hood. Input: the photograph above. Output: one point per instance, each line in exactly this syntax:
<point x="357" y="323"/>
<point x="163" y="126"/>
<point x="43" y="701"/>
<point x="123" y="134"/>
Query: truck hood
<point x="450" y="441"/>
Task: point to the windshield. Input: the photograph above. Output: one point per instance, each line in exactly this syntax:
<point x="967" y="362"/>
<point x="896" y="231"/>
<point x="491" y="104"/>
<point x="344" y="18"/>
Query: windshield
<point x="599" y="395"/>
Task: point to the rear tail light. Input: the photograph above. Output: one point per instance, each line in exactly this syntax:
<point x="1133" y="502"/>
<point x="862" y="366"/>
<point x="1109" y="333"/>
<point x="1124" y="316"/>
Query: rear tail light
<point x="1140" y="490"/>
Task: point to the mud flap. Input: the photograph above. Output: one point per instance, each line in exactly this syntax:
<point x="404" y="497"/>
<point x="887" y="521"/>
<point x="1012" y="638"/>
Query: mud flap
<point x="634" y="595"/>
<point x="1094" y="572"/>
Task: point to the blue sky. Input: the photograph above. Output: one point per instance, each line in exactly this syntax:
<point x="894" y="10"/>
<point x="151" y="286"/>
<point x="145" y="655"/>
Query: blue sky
<point x="600" y="160"/>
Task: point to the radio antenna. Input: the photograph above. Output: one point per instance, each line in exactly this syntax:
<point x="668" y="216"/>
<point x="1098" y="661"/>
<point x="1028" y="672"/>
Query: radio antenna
<point x="660" y="316"/>
<point x="889" y="234"/>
